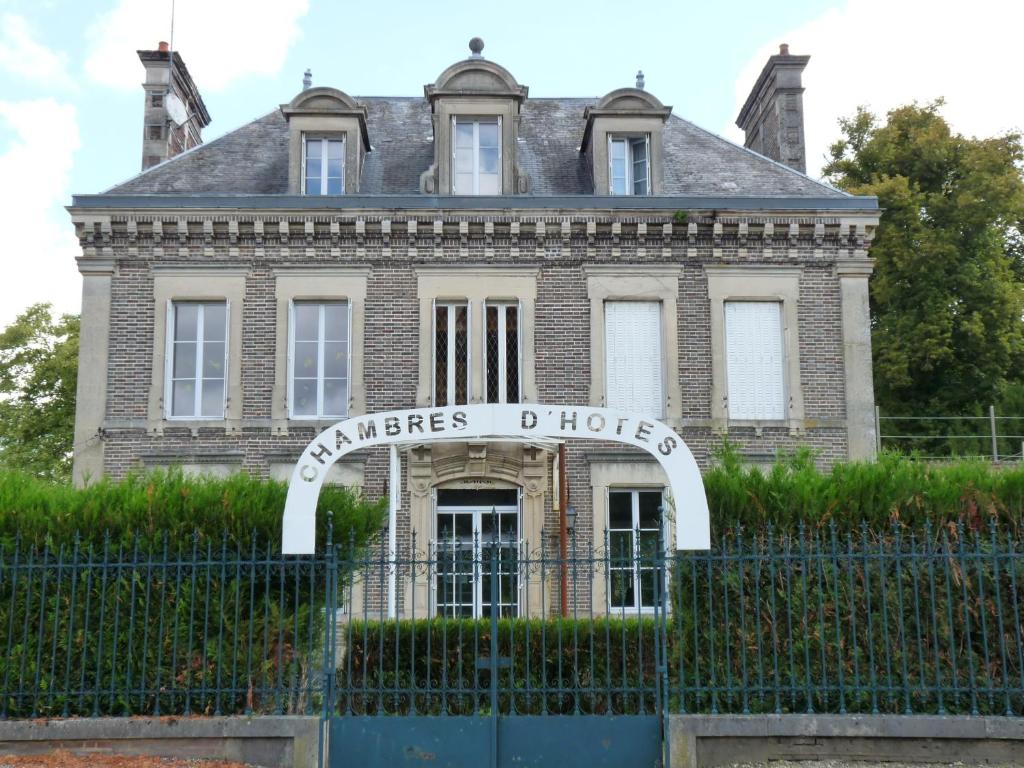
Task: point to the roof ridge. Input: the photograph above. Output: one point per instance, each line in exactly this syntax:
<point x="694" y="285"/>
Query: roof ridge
<point x="759" y="156"/>
<point x="187" y="152"/>
<point x="359" y="97"/>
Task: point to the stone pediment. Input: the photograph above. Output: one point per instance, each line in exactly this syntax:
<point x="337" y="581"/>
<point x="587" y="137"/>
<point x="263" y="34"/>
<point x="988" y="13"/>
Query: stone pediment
<point x="476" y="77"/>
<point x="324" y="102"/>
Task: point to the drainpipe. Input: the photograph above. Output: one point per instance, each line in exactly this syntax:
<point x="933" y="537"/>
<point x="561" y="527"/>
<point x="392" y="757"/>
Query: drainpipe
<point x="563" y="544"/>
<point x="394" y="498"/>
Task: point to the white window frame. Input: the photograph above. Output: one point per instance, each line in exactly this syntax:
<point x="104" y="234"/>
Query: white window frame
<point x="634" y="567"/>
<point x="628" y="140"/>
<point x="475" y="122"/>
<point x="476" y="547"/>
<point x="660" y="414"/>
<point x="306" y="138"/>
<point x="503" y="349"/>
<point x="321" y="333"/>
<point x="451" y="305"/>
<point x="169" y="337"/>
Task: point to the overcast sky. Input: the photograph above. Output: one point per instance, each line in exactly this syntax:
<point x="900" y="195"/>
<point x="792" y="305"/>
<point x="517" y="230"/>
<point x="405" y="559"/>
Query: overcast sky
<point x="71" y="96"/>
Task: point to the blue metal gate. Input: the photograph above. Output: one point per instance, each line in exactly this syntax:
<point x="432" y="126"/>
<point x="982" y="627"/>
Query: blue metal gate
<point x="491" y="667"/>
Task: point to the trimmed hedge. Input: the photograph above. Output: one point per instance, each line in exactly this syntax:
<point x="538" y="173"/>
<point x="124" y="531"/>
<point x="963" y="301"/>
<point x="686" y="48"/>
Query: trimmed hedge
<point x="171" y="629"/>
<point x="919" y="622"/>
<point x="558" y="666"/>
<point x="893" y="489"/>
<point x="168" y="503"/>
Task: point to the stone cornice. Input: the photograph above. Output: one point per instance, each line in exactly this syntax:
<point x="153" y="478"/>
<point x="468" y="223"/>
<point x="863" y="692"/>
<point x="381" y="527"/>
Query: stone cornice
<point x="185" y="230"/>
<point x="855" y="267"/>
<point x="421" y="204"/>
<point x="95" y="265"/>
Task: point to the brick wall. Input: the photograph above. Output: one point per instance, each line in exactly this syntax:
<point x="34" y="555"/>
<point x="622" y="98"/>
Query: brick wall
<point x="562" y="332"/>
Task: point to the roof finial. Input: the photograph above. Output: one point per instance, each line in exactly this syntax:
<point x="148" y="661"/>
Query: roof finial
<point x="307" y="80"/>
<point x="640" y="79"/>
<point x="476" y="45"/>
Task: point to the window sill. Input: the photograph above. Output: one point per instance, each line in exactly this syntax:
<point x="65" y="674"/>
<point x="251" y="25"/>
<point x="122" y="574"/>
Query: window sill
<point x="619" y="612"/>
<point x="221" y="425"/>
<point x="795" y="426"/>
<point x="317" y="424"/>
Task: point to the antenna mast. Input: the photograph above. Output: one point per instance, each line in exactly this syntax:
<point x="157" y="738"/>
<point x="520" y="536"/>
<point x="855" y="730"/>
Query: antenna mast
<point x="170" y="53"/>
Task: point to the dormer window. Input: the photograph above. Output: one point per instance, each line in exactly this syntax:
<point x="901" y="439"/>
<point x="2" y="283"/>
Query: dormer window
<point x="474" y="107"/>
<point x="324" y="166"/>
<point x="476" y="157"/>
<point x="327" y="142"/>
<point x="629" y="168"/>
<point x="623" y="142"/>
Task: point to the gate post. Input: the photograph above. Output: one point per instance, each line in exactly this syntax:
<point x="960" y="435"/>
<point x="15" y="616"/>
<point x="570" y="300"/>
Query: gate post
<point x="661" y="637"/>
<point x="330" y="639"/>
<point x="494" y="637"/>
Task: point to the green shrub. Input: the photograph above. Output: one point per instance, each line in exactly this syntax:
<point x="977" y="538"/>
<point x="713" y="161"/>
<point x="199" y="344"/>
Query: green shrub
<point x="923" y="622"/>
<point x="170" y="629"/>
<point x="558" y="666"/>
<point x="893" y="489"/>
<point x="167" y="503"/>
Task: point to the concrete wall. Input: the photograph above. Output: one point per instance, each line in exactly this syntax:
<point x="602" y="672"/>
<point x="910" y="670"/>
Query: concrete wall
<point x="693" y="740"/>
<point x="713" y="740"/>
<point x="269" y="741"/>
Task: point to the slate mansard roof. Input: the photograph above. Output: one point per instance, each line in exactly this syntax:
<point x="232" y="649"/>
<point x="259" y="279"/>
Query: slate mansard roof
<point x="253" y="160"/>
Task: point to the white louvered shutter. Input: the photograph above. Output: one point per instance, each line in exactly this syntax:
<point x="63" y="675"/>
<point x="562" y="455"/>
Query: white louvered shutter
<point x="633" y="357"/>
<point x="755" y="362"/>
<point x="169" y="361"/>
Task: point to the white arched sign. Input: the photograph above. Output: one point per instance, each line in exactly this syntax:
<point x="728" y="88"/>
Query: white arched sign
<point x="516" y="422"/>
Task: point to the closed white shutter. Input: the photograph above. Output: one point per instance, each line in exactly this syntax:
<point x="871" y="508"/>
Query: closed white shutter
<point x="633" y="357"/>
<point x="755" y="360"/>
<point x="169" y="361"/>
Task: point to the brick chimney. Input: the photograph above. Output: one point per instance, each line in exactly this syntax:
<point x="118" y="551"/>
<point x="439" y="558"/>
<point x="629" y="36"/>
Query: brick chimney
<point x="772" y="118"/>
<point x="174" y="114"/>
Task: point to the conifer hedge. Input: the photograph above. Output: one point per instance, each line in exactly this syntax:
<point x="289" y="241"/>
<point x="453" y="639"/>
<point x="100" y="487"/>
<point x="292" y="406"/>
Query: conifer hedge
<point x="894" y="489"/>
<point x="167" y="503"/>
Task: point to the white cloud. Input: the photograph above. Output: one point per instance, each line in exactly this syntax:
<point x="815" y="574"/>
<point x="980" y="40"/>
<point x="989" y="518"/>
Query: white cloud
<point x="24" y="57"/>
<point x="39" y="245"/>
<point x="220" y="40"/>
<point x="885" y="53"/>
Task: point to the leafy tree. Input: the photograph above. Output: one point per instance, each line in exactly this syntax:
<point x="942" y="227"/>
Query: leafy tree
<point x="947" y="298"/>
<point x="38" y="376"/>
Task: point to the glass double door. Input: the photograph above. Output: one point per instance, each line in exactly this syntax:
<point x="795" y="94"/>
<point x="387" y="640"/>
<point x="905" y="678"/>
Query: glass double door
<point x="477" y="540"/>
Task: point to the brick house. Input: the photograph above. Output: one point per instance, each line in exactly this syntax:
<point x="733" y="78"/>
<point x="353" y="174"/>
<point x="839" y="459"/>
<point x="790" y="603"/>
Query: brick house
<point x="342" y="256"/>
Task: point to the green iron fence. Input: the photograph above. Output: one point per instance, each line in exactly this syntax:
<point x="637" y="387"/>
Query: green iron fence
<point x="857" y="622"/>
<point x="197" y="627"/>
<point x="481" y="631"/>
<point x="811" y="621"/>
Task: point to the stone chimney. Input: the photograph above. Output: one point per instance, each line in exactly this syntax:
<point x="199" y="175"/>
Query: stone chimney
<point x="174" y="114"/>
<point x="773" y="116"/>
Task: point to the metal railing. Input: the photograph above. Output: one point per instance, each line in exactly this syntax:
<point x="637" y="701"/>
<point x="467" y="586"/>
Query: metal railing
<point x="479" y="629"/>
<point x="198" y="627"/>
<point x="810" y="621"/>
<point x="999" y="438"/>
<point x="861" y="622"/>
